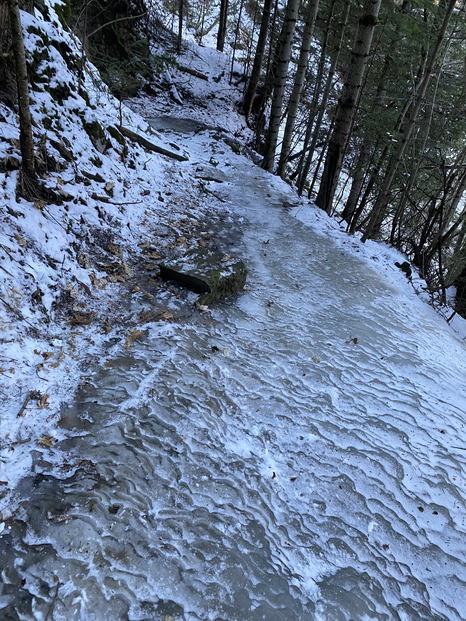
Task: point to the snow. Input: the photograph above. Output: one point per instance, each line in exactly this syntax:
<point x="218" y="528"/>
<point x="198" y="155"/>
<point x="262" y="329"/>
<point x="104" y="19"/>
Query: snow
<point x="298" y="448"/>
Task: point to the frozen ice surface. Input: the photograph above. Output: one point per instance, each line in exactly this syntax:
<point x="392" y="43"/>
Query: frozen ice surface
<point x="298" y="453"/>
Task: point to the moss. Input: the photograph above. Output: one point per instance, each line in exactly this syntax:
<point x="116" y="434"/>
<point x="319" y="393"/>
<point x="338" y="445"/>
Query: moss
<point x="85" y="96"/>
<point x="206" y="273"/>
<point x="96" y="161"/>
<point x="59" y="93"/>
<point x="64" y="12"/>
<point x="96" y="135"/>
<point x="114" y="133"/>
<point x="73" y="62"/>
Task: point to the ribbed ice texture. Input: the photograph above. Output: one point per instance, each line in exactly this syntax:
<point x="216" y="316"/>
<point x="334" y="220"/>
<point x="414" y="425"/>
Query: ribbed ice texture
<point x="259" y="464"/>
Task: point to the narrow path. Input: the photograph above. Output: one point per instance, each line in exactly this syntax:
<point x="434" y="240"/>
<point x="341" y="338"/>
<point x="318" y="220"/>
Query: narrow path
<point x="286" y="457"/>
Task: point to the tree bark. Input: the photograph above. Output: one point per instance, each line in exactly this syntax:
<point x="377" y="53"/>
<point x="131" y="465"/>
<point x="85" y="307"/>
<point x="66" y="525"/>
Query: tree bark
<point x="284" y="57"/>
<point x="305" y="163"/>
<point x="26" y="138"/>
<point x="235" y="43"/>
<point x="348" y="105"/>
<point x="222" y="25"/>
<point x="258" y="59"/>
<point x="383" y="197"/>
<point x="310" y="18"/>
<point x="180" y="25"/>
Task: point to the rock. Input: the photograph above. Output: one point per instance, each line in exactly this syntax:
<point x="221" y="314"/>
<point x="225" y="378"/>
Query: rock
<point x="211" y="274"/>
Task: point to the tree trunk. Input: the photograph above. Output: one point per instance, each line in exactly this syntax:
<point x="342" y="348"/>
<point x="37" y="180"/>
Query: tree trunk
<point x="284" y="57"/>
<point x="238" y="25"/>
<point x="258" y="59"/>
<point x="26" y="138"/>
<point x="180" y="25"/>
<point x="348" y="105"/>
<point x="383" y="197"/>
<point x="222" y="26"/>
<point x="8" y="93"/>
<point x="305" y="164"/>
<point x="310" y="18"/>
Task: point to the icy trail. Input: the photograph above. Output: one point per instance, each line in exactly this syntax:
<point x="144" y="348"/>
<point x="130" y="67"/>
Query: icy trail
<point x="288" y="457"/>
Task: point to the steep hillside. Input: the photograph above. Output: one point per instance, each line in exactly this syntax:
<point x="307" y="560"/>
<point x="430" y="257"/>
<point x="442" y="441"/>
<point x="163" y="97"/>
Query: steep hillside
<point x="69" y="270"/>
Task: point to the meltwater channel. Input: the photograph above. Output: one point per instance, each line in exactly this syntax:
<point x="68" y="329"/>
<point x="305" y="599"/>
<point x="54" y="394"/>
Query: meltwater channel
<point x="288" y="456"/>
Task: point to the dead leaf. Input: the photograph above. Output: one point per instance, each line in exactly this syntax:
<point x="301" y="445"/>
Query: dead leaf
<point x="82" y="320"/>
<point x="118" y="252"/>
<point x="145" y="316"/>
<point x="135" y="289"/>
<point x="43" y="401"/>
<point x="165" y="316"/>
<point x="21" y="241"/>
<point x="45" y="441"/>
<point x="202" y="307"/>
<point x="83" y="260"/>
<point x="133" y="335"/>
<point x="316" y="360"/>
<point x="126" y="269"/>
<point x="353" y="340"/>
<point x="47" y="354"/>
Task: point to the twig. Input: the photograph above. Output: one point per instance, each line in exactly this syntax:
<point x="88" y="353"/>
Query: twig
<point x="52" y="602"/>
<point x="42" y="378"/>
<point x="207" y="191"/>
<point x="5" y="270"/>
<point x="131" y="203"/>
<point x="461" y="448"/>
<point x="18" y="313"/>
<point x="23" y="407"/>
<point x="115" y="21"/>
<point x="13" y="310"/>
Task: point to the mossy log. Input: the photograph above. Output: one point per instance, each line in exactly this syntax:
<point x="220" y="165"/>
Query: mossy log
<point x="213" y="275"/>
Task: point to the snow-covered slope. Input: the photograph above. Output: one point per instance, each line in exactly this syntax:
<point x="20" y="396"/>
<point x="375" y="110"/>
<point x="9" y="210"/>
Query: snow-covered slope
<point x="66" y="269"/>
<point x="297" y="450"/>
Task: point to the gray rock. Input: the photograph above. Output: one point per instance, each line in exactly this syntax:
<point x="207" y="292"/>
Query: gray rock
<point x="211" y="274"/>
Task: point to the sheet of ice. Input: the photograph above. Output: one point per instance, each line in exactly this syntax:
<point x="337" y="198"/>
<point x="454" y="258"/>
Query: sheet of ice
<point x="296" y="453"/>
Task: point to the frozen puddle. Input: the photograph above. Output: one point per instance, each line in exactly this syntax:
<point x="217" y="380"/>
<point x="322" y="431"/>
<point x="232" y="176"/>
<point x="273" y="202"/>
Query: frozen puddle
<point x="288" y="457"/>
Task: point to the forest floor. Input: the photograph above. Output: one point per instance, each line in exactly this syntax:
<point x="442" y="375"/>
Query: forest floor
<point x="79" y="279"/>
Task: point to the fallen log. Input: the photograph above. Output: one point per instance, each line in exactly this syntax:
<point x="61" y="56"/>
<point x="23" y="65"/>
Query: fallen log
<point x="150" y="145"/>
<point x="193" y="72"/>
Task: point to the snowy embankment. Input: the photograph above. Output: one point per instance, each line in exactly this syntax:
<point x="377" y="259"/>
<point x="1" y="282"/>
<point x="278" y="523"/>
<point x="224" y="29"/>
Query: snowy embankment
<point x="78" y="279"/>
<point x="69" y="271"/>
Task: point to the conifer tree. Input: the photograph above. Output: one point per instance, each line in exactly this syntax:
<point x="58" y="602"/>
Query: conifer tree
<point x="281" y="74"/>
<point x="348" y="104"/>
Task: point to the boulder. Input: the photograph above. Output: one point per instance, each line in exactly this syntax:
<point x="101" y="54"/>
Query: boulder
<point x="211" y="274"/>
